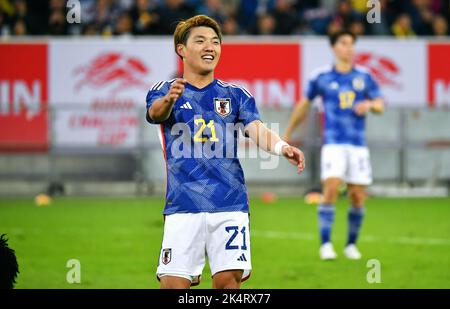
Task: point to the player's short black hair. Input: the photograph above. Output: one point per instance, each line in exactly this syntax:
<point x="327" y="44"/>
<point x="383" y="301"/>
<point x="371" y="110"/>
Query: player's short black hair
<point x="8" y="264"/>
<point x="334" y="37"/>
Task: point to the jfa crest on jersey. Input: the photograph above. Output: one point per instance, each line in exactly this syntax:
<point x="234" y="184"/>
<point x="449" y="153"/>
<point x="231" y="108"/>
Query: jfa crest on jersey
<point x="340" y="93"/>
<point x="210" y="181"/>
<point x="222" y="106"/>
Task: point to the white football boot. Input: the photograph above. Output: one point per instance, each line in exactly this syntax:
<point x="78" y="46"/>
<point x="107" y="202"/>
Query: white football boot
<point x="352" y="253"/>
<point x="327" y="251"/>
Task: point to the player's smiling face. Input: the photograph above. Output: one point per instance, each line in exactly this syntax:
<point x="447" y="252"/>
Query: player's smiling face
<point x="343" y="48"/>
<point x="202" y="50"/>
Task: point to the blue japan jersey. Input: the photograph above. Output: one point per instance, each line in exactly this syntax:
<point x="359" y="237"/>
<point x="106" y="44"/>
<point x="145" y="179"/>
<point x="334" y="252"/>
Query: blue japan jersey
<point x="340" y="93"/>
<point x="199" y="140"/>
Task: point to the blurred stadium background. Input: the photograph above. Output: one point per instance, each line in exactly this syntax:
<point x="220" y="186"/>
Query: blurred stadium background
<point x="72" y="126"/>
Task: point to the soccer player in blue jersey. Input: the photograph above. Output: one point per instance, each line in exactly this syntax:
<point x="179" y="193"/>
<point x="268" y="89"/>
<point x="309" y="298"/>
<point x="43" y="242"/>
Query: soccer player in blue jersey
<point x="348" y="93"/>
<point x="206" y="210"/>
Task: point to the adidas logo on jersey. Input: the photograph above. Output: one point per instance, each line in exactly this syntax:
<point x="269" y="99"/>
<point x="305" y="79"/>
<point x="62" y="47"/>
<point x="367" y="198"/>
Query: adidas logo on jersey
<point x="334" y="85"/>
<point x="242" y="258"/>
<point x="186" y="105"/>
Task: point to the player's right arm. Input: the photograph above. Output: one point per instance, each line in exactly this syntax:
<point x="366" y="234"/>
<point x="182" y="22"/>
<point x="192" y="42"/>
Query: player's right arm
<point x="301" y="109"/>
<point x="298" y="115"/>
<point x="161" y="108"/>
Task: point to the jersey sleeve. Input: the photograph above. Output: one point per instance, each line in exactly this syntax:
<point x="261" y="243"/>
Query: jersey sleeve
<point x="311" y="88"/>
<point x="248" y="111"/>
<point x="156" y="92"/>
<point x="373" y="90"/>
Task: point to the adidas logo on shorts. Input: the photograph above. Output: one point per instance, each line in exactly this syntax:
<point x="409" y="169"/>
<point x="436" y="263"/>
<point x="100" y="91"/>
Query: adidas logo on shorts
<point x="242" y="258"/>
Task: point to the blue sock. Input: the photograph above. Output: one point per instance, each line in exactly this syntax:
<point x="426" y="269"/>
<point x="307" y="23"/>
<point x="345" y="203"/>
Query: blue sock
<point x="355" y="218"/>
<point x="326" y="219"/>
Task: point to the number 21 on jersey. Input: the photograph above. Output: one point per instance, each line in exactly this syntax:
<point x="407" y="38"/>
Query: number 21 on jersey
<point x="201" y="123"/>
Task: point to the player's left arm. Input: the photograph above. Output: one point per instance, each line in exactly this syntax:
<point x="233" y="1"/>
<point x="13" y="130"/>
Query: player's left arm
<point x="270" y="141"/>
<point x="374" y="105"/>
<point x="377" y="105"/>
<point x="374" y="102"/>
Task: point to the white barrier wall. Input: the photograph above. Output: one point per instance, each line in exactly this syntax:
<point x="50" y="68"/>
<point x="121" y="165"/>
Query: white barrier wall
<point x="398" y="66"/>
<point x="94" y="85"/>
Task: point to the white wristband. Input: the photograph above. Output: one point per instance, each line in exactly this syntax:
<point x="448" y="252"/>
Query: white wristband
<point x="279" y="146"/>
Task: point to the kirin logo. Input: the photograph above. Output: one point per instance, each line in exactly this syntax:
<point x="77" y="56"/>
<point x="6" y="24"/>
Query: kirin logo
<point x="114" y="70"/>
<point x="383" y="69"/>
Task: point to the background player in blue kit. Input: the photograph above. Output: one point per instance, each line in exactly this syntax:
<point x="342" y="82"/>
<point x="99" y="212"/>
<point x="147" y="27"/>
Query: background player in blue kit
<point x="348" y="93"/>
<point x="206" y="211"/>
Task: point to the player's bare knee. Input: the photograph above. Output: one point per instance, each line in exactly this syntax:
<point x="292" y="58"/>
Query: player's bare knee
<point x="330" y="194"/>
<point x="231" y="284"/>
<point x="171" y="282"/>
<point x="357" y="197"/>
<point x="329" y="200"/>
<point x="227" y="280"/>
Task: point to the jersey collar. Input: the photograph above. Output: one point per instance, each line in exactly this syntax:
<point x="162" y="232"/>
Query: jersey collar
<point x="192" y="87"/>
<point x="340" y="73"/>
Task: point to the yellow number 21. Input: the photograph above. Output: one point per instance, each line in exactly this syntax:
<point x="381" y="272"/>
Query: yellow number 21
<point x="202" y="123"/>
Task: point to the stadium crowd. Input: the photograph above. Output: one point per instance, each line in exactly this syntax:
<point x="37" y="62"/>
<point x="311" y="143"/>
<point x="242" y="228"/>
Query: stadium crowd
<point x="400" y="18"/>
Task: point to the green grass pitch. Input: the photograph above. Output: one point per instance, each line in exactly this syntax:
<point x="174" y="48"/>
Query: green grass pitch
<point x="117" y="242"/>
